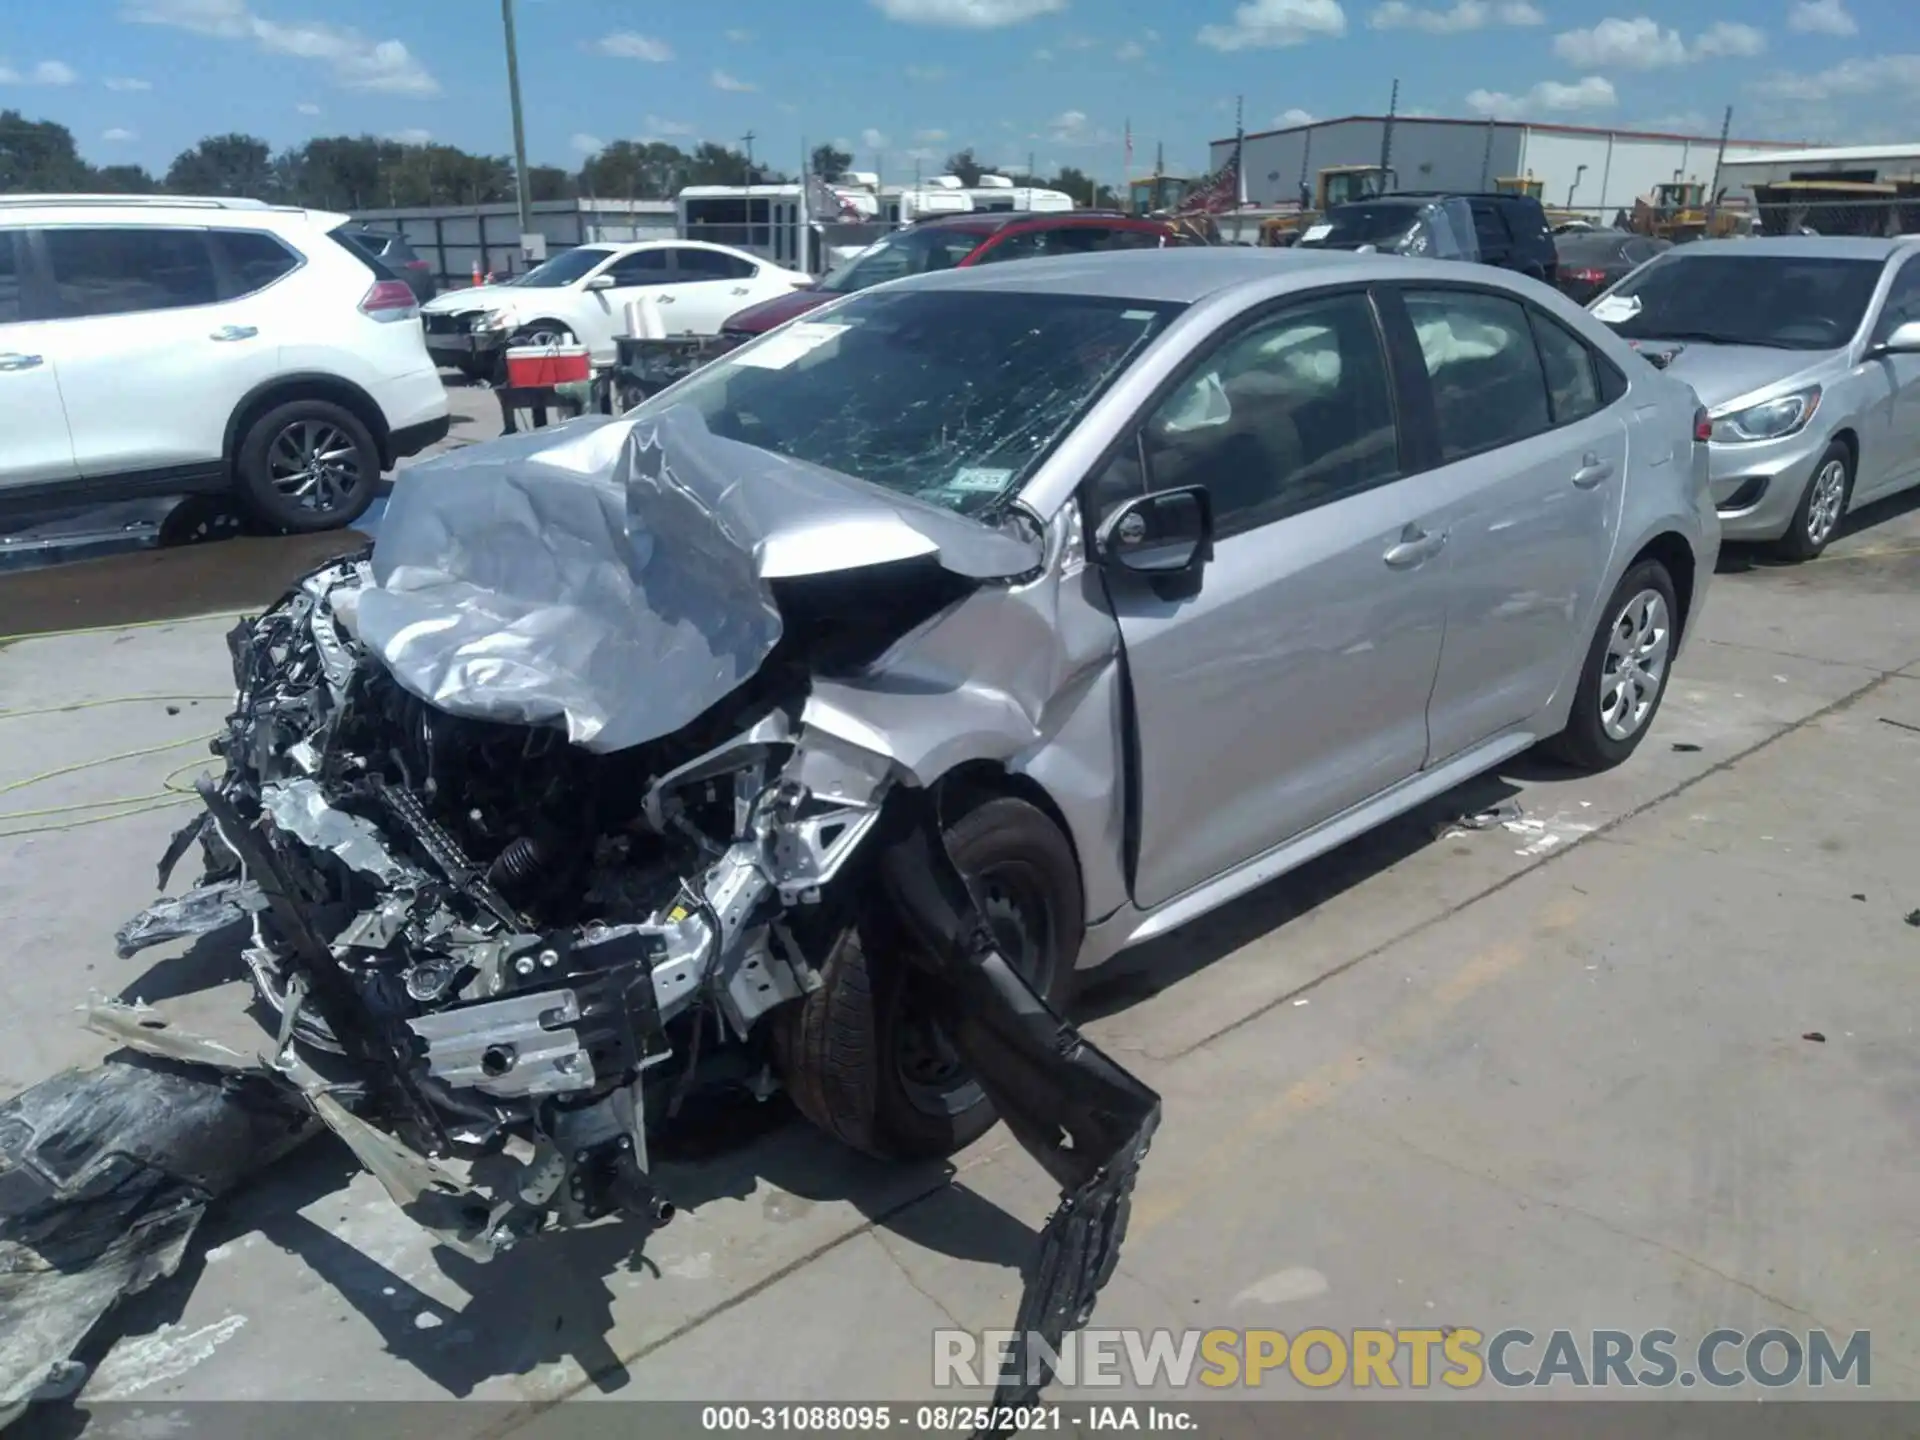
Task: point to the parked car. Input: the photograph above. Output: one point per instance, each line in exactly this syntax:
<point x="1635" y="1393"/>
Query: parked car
<point x="397" y="255"/>
<point x="164" y="345"/>
<point x="1512" y="232"/>
<point x="582" y="295"/>
<point x="1591" y="260"/>
<point x="1433" y="228"/>
<point x="1806" y="351"/>
<point x="952" y="242"/>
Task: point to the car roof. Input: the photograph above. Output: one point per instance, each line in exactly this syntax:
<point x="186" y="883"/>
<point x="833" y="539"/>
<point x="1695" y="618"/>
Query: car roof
<point x="1813" y="247"/>
<point x="987" y="222"/>
<point x="1181" y="274"/>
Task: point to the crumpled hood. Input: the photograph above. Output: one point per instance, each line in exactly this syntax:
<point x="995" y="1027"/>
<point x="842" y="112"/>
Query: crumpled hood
<point x="1721" y="373"/>
<point x="613" y="575"/>
<point x="474" y="297"/>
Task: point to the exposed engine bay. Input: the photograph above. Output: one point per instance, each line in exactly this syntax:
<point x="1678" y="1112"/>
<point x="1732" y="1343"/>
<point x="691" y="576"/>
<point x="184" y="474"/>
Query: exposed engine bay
<point x="512" y="919"/>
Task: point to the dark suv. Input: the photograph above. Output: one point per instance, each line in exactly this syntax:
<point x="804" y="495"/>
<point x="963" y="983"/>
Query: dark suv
<point x="397" y="255"/>
<point x="952" y="242"/>
<point x="1513" y="233"/>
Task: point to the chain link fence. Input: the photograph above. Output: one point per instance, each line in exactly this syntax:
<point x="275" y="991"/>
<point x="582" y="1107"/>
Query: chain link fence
<point x="1789" y="213"/>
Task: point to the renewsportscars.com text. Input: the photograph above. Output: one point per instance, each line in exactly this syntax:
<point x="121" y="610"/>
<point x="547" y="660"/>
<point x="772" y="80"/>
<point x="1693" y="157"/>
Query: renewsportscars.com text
<point x="1458" y="1358"/>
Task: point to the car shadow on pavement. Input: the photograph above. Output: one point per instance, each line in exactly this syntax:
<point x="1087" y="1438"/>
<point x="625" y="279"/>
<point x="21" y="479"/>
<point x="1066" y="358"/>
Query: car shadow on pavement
<point x="1741" y="557"/>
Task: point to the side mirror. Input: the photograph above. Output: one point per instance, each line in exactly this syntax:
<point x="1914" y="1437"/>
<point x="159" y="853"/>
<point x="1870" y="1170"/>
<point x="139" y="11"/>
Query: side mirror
<point x="1168" y="532"/>
<point x="1905" y="340"/>
<point x="600" y="282"/>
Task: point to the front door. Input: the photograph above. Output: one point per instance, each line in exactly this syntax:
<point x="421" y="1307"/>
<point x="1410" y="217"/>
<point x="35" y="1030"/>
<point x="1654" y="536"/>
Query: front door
<point x="35" y="448"/>
<point x="1292" y="684"/>
<point x="1890" y="438"/>
<point x="1532" y="478"/>
<point x="637" y="273"/>
<point x="151" y="359"/>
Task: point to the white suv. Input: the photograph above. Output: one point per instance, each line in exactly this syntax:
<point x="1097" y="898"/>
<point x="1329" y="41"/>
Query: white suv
<point x="163" y="345"/>
<point x="582" y="294"/>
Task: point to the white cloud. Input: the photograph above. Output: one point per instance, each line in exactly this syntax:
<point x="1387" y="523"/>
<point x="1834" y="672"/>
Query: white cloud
<point x="1637" y="44"/>
<point x="1295" y="116"/>
<point x="655" y="127"/>
<point x="413" y="135"/>
<point x="926" y="72"/>
<point x="872" y="139"/>
<point x="1132" y="50"/>
<point x="123" y="84"/>
<point x="968" y="14"/>
<point x="930" y="137"/>
<point x="47" y="72"/>
<point x="1729" y="37"/>
<point x="739" y="37"/>
<point x="117" y="134"/>
<point x="723" y="81"/>
<point x="1074" y="127"/>
<point x="307" y="107"/>
<point x="1822" y="17"/>
<point x="1043" y="55"/>
<point x="1548" y="97"/>
<point x="588" y="144"/>
<point x="1270" y="24"/>
<point x="1849" y="79"/>
<point x="1677" y="122"/>
<point x="1465" y="15"/>
<point x="922" y="154"/>
<point x="632" y="45"/>
<point x="357" y="62"/>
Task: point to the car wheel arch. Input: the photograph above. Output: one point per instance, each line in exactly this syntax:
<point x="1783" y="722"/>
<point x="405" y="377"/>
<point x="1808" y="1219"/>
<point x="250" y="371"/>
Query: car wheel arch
<point x="316" y="385"/>
<point x="1675" y="554"/>
<point x="972" y="783"/>
<point x="1845" y="436"/>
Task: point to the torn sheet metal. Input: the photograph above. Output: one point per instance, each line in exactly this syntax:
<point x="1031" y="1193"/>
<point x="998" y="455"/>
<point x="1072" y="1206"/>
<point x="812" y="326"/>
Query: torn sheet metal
<point x="198" y="912"/>
<point x="616" y="577"/>
<point x="104" y="1175"/>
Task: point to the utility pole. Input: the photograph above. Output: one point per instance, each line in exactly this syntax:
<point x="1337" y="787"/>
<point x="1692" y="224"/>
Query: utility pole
<point x="1719" y="159"/>
<point x="523" y="192"/>
<point x="1486" y="159"/>
<point x="1386" y="135"/>
<point x="747" y="140"/>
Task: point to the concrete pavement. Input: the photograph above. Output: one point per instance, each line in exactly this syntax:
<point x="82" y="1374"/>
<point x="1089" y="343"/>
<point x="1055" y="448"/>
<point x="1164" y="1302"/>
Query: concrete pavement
<point x="1550" y="1076"/>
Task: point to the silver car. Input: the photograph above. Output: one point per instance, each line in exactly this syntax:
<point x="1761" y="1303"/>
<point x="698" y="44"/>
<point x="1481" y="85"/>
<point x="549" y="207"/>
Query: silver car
<point x="1806" y="350"/>
<point x="1140" y="579"/>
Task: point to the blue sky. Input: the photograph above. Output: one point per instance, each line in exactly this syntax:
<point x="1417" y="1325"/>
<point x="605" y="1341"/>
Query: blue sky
<point x="904" y="82"/>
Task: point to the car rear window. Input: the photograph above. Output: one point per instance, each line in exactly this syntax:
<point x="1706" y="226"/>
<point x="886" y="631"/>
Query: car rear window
<point x="9" y="280"/>
<point x="355" y="244"/>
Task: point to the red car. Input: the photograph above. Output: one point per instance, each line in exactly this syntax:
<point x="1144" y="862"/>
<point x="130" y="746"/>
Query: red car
<point x="949" y="242"/>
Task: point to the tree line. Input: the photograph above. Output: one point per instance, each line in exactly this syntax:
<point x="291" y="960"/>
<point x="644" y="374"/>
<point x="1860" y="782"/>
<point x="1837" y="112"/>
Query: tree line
<point x="364" y="172"/>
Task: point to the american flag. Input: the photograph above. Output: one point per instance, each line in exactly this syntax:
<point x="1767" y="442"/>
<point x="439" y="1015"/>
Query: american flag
<point x="1217" y="192"/>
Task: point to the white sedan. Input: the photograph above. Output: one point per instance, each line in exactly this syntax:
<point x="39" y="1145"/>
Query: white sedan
<point x="582" y="294"/>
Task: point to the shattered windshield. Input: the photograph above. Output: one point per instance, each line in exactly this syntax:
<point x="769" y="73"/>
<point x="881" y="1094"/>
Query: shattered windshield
<point x="948" y="396"/>
<point x="905" y="252"/>
<point x="1361" y="225"/>
<point x="1789" y="302"/>
<point x="564" y="269"/>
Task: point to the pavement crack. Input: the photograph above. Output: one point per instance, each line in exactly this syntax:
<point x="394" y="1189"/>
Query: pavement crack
<point x="907" y="1275"/>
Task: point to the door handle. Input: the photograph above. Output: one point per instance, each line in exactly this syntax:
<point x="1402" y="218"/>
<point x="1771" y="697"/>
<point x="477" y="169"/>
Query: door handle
<point x="664" y="299"/>
<point x="1415" y="545"/>
<point x="739" y="289"/>
<point x="235" y="332"/>
<point x="1592" y="471"/>
<point x="13" y="360"/>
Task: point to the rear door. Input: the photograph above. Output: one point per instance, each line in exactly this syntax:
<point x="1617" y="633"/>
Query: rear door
<point x="152" y="353"/>
<point x="711" y="285"/>
<point x="1532" y="466"/>
<point x="1292" y="685"/>
<point x="35" y="448"/>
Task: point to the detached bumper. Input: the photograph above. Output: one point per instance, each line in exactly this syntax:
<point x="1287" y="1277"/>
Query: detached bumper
<point x="1757" y="487"/>
<point x="454" y="349"/>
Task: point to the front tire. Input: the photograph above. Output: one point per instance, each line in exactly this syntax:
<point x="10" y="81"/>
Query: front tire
<point x="1816" y="519"/>
<point x="1625" y="674"/>
<point x="864" y="1059"/>
<point x="307" y="466"/>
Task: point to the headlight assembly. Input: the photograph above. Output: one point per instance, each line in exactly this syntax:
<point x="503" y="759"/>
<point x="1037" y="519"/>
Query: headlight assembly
<point x="1769" y="420"/>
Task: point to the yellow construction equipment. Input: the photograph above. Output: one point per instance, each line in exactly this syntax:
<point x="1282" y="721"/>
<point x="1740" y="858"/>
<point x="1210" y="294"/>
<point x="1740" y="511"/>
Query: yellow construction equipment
<point x="1334" y="185"/>
<point x="1678" y="211"/>
<point x="1520" y="185"/>
<point x="1840" y="207"/>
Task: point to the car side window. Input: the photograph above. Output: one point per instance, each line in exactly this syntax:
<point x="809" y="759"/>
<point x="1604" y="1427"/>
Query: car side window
<point x="642" y="267"/>
<point x="123" y="270"/>
<point x="1903" y="301"/>
<point x="255" y="259"/>
<point x="1488" y="385"/>
<point x="711" y="265"/>
<point x="1027" y="245"/>
<point x="9" y="279"/>
<point x="1132" y="240"/>
<point x="1573" y="384"/>
<point x="1491" y="232"/>
<point x="1294" y="413"/>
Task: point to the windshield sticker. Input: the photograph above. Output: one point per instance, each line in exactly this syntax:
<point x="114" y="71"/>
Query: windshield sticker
<point x="1136" y="316"/>
<point x="797" y="341"/>
<point x="1616" y="308"/>
<point x="978" y="480"/>
<point x="1317" y="232"/>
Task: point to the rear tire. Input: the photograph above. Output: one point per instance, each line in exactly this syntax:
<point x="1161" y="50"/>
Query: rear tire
<point x="1625" y="674"/>
<point x="1823" y="505"/>
<point x="307" y="466"/>
<point x="860" y="1057"/>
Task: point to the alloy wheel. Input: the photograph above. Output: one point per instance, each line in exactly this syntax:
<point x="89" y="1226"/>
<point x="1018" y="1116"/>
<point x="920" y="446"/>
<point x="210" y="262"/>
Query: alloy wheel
<point x="1635" y="664"/>
<point x="317" y="464"/>
<point x="1828" y="499"/>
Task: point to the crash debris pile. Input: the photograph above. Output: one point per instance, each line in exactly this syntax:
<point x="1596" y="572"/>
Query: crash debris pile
<point x="533" y="835"/>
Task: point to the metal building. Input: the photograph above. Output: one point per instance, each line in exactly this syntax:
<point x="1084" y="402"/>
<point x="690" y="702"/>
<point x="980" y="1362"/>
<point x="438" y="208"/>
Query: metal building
<point x="1858" y="164"/>
<point x="454" y="239"/>
<point x="1579" y="167"/>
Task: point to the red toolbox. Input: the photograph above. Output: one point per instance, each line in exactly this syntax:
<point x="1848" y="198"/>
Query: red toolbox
<point x="540" y="367"/>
